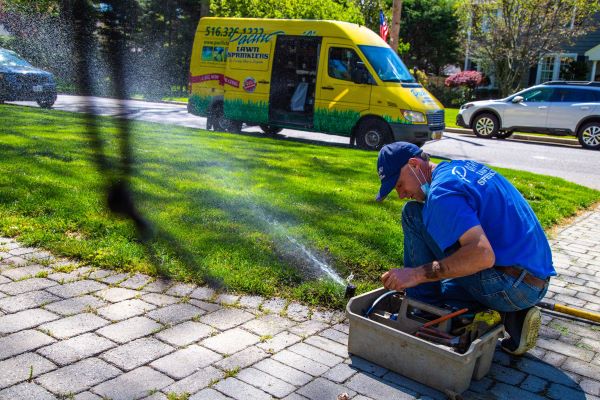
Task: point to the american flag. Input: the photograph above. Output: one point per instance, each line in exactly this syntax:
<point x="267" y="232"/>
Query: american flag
<point x="383" y="27"/>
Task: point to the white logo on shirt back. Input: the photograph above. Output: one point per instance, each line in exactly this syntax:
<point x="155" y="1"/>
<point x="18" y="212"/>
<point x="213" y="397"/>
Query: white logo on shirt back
<point x="460" y="172"/>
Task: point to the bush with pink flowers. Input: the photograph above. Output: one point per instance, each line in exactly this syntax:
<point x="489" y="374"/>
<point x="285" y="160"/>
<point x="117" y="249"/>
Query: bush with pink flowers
<point x="470" y="79"/>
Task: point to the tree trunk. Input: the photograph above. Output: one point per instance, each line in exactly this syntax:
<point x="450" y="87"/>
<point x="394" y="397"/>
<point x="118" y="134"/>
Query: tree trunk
<point x="395" y="31"/>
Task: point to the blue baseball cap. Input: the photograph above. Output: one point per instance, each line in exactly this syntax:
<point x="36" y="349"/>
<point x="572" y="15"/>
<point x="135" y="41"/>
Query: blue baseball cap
<point x="392" y="157"/>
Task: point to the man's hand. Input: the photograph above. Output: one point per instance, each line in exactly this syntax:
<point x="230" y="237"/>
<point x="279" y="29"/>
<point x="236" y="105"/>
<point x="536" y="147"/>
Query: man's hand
<point x="400" y="279"/>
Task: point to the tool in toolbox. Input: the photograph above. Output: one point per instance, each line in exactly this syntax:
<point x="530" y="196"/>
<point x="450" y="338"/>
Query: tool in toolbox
<point x="463" y="336"/>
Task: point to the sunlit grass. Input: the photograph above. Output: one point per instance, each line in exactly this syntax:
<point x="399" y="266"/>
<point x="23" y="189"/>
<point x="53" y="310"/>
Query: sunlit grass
<point x="224" y="205"/>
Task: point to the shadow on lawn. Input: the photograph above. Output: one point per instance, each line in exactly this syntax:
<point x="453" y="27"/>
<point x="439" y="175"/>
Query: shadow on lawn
<point x="509" y="378"/>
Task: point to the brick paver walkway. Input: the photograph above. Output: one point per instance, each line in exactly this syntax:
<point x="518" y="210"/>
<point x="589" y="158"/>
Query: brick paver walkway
<point x="84" y="333"/>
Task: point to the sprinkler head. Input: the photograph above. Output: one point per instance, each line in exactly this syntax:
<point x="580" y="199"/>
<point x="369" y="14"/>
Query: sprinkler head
<point x="350" y="291"/>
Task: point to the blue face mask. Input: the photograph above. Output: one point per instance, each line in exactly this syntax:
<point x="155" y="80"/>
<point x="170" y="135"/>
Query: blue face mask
<point x="425" y="185"/>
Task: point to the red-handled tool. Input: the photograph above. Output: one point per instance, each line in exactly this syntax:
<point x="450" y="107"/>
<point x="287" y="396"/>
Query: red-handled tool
<point x="445" y="318"/>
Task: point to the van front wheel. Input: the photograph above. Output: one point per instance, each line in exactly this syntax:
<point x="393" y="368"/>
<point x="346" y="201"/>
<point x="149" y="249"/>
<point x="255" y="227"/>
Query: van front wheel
<point x="372" y="134"/>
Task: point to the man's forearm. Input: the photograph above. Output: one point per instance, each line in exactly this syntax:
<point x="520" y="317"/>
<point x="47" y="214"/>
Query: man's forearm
<point x="467" y="260"/>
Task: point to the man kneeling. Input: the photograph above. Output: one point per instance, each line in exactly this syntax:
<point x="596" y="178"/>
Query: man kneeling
<point x="470" y="240"/>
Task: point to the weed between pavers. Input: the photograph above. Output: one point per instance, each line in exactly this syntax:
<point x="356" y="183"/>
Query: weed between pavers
<point x="213" y="382"/>
<point x="46" y="331"/>
<point x="230" y="373"/>
<point x="264" y="338"/>
<point x="162" y="328"/>
<point x="584" y="346"/>
<point x="184" y="300"/>
<point x="560" y="328"/>
<point x="90" y="309"/>
<point x="65" y="268"/>
<point x="42" y="274"/>
<point x="175" y="396"/>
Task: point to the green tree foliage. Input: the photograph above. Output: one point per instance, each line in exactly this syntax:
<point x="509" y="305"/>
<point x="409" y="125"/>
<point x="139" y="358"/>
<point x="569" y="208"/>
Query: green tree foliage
<point x="510" y="36"/>
<point x="341" y="10"/>
<point x="431" y="29"/>
<point x="370" y="12"/>
<point x="39" y="33"/>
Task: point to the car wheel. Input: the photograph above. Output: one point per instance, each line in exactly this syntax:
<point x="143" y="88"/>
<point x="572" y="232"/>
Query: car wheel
<point x="504" y="134"/>
<point x="372" y="134"/>
<point x="270" y="130"/>
<point x="486" y="125"/>
<point x="589" y="135"/>
<point x="46" y="102"/>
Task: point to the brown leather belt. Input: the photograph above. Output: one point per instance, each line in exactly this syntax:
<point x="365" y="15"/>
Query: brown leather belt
<point x="529" y="279"/>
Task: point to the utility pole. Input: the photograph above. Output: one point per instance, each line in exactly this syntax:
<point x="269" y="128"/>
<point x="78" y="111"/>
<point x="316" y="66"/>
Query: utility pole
<point x="395" y="31"/>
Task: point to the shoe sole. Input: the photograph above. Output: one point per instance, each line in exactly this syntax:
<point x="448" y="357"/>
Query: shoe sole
<point x="531" y="327"/>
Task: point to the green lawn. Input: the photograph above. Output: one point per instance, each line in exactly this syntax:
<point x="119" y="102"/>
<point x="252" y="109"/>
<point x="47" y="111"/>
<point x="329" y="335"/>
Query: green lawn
<point x="234" y="208"/>
<point x="450" y="117"/>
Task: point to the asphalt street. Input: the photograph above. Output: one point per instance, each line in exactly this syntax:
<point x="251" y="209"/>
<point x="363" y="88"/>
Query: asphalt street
<point x="569" y="162"/>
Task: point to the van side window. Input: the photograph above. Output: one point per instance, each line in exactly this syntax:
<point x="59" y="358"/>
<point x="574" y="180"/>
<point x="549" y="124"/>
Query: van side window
<point x="341" y="62"/>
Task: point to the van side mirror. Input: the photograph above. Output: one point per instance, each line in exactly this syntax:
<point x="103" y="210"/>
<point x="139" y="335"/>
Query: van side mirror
<point x="360" y="75"/>
<point x="517" y="99"/>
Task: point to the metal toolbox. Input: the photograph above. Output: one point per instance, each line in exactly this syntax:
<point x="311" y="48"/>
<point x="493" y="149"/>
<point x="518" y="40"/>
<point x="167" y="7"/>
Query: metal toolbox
<point x="392" y="344"/>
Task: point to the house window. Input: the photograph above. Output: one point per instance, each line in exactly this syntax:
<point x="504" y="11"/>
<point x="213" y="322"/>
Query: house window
<point x="553" y="67"/>
<point x="546" y="69"/>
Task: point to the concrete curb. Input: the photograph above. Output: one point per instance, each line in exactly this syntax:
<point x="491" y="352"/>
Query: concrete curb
<point x="461" y="131"/>
<point x="520" y="136"/>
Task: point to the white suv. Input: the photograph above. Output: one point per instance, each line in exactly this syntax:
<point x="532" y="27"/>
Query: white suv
<point x="556" y="107"/>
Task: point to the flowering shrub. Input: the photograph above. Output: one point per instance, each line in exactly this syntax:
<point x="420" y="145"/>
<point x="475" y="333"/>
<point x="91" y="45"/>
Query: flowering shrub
<point x="470" y="79"/>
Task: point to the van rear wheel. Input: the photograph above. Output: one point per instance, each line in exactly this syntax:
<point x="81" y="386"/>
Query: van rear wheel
<point x="373" y="134"/>
<point x="221" y="123"/>
<point x="270" y="129"/>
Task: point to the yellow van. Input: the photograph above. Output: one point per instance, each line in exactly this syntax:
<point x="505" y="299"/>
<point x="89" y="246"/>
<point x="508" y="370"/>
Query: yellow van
<point x="323" y="76"/>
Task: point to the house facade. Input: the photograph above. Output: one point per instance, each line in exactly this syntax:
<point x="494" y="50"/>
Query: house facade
<point x="578" y="61"/>
<point x="585" y="51"/>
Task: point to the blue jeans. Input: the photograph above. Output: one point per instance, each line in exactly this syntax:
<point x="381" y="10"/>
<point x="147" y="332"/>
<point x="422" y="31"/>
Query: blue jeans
<point x="490" y="287"/>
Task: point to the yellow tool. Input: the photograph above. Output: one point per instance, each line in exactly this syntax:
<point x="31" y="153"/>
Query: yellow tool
<point x="482" y="322"/>
<point x="577" y="312"/>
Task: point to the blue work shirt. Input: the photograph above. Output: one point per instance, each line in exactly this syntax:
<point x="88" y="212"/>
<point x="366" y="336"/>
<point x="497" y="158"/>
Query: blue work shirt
<point x="465" y="194"/>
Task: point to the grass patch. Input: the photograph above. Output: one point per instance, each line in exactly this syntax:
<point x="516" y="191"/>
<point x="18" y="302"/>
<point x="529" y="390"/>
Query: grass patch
<point x="229" y="207"/>
<point x="450" y="117"/>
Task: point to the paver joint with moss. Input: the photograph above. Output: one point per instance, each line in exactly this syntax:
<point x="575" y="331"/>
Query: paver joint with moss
<point x="241" y="210"/>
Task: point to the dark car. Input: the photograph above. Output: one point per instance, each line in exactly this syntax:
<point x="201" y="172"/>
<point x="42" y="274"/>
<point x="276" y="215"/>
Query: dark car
<point x="20" y="81"/>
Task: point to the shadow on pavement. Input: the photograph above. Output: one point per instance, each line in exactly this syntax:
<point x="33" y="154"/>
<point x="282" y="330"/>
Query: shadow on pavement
<point x="509" y="378"/>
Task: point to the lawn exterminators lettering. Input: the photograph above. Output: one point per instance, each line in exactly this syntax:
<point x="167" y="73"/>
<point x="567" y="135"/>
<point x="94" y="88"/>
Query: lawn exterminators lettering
<point x="484" y="173"/>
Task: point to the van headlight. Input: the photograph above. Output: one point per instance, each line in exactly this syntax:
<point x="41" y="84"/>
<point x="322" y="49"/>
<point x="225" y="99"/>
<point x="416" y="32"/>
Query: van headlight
<point x="413" y="116"/>
<point x="465" y="106"/>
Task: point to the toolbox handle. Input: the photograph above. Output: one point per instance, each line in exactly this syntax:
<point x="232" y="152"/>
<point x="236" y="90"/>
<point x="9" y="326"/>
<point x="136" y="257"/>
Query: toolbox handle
<point x="419" y="305"/>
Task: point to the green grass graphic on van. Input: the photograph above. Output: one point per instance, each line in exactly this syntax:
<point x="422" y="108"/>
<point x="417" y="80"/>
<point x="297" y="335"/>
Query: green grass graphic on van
<point x="198" y="105"/>
<point x="251" y="111"/>
<point x="396" y="120"/>
<point x="335" y="121"/>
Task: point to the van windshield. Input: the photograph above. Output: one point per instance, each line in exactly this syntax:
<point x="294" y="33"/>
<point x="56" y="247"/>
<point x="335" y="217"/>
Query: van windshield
<point x="387" y="64"/>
